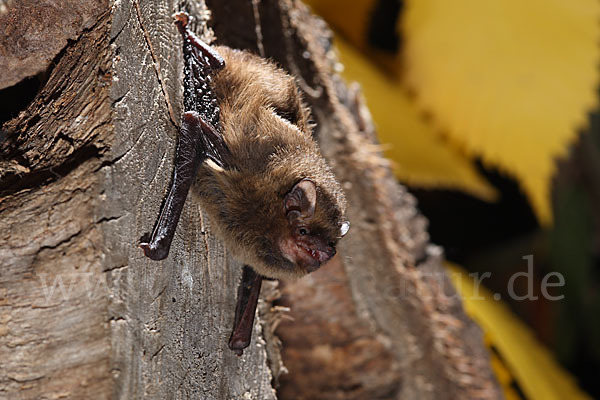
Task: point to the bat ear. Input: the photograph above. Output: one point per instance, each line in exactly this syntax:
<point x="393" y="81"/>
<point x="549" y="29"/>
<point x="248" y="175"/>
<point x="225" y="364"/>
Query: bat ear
<point x="302" y="199"/>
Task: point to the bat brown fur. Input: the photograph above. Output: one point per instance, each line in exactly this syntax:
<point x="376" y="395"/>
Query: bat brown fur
<point x="267" y="130"/>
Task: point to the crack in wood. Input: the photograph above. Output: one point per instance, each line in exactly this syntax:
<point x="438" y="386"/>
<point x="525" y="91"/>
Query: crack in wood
<point x="14" y="183"/>
<point x="257" y="28"/>
<point x="156" y="64"/>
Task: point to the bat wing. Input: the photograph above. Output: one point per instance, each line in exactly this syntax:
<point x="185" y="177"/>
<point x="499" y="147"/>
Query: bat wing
<point x="200" y="136"/>
<point x="202" y="115"/>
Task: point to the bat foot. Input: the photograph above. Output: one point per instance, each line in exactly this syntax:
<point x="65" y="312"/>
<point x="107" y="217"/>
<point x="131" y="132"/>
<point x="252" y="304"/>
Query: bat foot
<point x="182" y="18"/>
<point x="153" y="252"/>
<point x="245" y="309"/>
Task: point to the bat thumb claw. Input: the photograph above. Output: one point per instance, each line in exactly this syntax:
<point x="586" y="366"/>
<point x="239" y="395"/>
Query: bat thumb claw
<point x="182" y="18"/>
<point x="152" y="252"/>
<point x="237" y="345"/>
<point x="146" y="248"/>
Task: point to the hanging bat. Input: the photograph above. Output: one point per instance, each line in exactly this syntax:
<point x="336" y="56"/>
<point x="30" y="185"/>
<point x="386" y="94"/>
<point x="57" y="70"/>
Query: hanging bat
<point x="246" y="151"/>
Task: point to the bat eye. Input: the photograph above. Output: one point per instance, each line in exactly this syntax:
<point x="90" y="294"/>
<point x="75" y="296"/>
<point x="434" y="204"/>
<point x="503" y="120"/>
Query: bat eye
<point x="302" y="231"/>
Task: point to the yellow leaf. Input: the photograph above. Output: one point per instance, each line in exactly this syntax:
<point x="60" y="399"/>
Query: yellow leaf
<point x="534" y="369"/>
<point x="422" y="158"/>
<point x="508" y="80"/>
<point x="349" y="19"/>
<point x="504" y="377"/>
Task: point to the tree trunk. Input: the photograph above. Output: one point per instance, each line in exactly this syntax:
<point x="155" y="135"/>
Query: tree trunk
<point x="84" y="168"/>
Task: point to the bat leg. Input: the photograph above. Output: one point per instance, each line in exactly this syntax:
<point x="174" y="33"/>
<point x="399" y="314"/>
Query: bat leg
<point x="189" y="156"/>
<point x="245" y="309"/>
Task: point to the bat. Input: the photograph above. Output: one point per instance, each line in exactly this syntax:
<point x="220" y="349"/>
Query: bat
<point x="246" y="153"/>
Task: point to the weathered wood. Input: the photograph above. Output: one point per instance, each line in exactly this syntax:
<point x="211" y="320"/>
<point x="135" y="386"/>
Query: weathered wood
<point x="33" y="33"/>
<point x="83" y="171"/>
<point x="85" y="168"/>
<point x="54" y="324"/>
<point x="171" y="319"/>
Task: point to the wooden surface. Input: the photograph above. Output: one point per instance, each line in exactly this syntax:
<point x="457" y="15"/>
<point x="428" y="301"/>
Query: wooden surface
<point x="170" y="320"/>
<point x="83" y="171"/>
<point x="35" y="31"/>
<point x="54" y="323"/>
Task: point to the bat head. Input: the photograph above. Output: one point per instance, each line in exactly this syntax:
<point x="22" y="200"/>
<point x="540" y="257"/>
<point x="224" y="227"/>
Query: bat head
<point x="313" y="227"/>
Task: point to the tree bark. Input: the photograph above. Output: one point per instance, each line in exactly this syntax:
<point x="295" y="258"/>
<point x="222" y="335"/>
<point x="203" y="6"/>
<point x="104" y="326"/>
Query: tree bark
<point x="83" y="171"/>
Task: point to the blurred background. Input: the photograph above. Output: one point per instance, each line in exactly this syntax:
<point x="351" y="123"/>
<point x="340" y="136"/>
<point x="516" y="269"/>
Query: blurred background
<point x="489" y="112"/>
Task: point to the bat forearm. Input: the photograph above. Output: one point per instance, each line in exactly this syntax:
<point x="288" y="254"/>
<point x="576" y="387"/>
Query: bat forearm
<point x="187" y="161"/>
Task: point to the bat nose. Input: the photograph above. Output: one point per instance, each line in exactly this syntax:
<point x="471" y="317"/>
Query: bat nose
<point x="327" y="254"/>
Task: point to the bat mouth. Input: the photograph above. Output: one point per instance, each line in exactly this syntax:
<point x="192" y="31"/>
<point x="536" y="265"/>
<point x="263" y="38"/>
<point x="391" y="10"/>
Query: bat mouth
<point x="312" y="258"/>
<point x="304" y="255"/>
<point x="317" y="255"/>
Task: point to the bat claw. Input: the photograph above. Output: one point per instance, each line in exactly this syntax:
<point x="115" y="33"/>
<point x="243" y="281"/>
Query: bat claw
<point x="153" y="252"/>
<point x="182" y="18"/>
<point x="238" y="352"/>
<point x="237" y="345"/>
